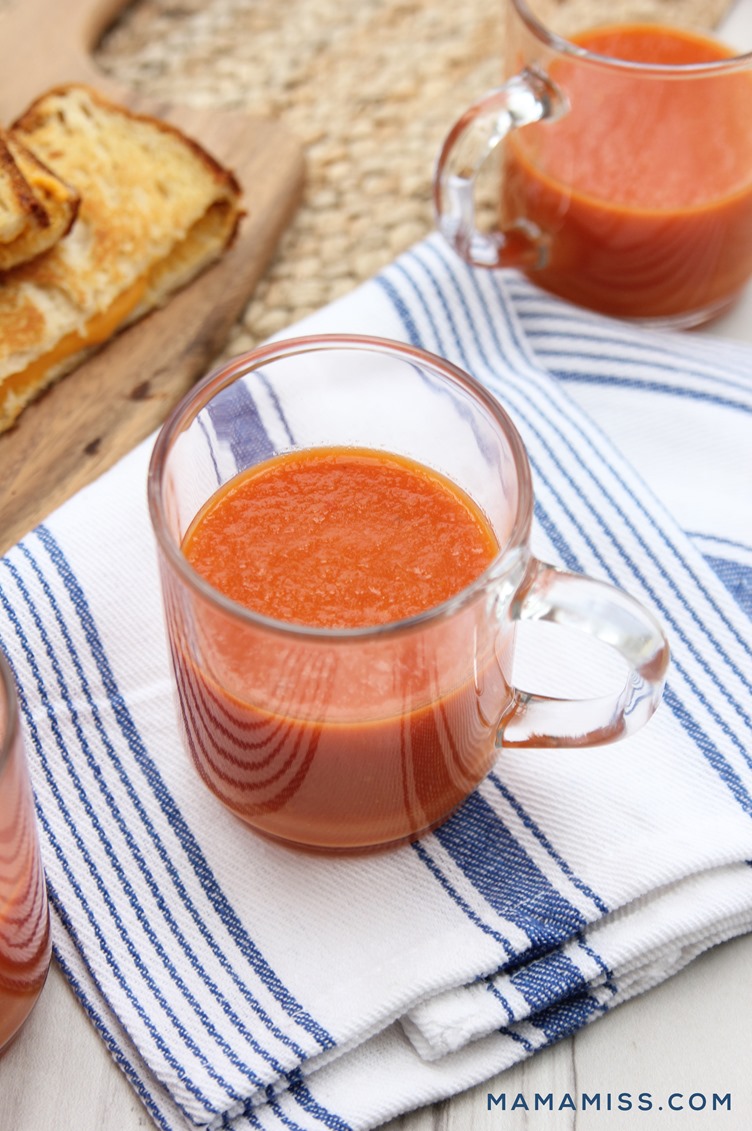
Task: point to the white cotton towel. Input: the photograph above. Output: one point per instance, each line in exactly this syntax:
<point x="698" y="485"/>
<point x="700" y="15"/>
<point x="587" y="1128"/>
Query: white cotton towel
<point x="243" y="984"/>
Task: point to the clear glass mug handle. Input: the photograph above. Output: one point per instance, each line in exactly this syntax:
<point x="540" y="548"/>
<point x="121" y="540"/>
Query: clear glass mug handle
<point x="610" y="615"/>
<point x="529" y="96"/>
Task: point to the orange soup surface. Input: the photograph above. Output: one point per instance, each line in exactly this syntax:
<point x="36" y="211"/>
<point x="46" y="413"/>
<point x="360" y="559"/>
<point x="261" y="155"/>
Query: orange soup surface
<point x="340" y="538"/>
<point x="340" y="742"/>
<point x="645" y="184"/>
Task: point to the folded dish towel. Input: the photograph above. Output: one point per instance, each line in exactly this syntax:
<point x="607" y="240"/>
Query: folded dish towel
<point x="240" y="984"/>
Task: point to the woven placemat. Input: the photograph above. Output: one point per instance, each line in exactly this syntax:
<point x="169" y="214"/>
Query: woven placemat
<point x="370" y="88"/>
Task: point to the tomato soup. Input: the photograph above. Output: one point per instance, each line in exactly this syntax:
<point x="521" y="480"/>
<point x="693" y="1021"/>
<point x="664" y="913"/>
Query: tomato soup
<point x="24" y="921"/>
<point x="340" y="740"/>
<point x="340" y="538"/>
<point x="644" y="185"/>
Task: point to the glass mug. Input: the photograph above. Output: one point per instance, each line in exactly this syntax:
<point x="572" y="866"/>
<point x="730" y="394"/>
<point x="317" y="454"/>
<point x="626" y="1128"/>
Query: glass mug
<point x="346" y="739"/>
<point x="625" y="165"/>
<point x="24" y="913"/>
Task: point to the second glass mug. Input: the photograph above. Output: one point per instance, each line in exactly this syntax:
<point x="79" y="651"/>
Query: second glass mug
<point x="625" y="164"/>
<point x="25" y="941"/>
<point x="348" y="739"/>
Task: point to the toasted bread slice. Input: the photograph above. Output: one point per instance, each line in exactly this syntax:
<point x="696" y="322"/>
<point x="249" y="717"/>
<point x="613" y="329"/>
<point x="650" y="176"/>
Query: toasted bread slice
<point x="156" y="209"/>
<point x="36" y="207"/>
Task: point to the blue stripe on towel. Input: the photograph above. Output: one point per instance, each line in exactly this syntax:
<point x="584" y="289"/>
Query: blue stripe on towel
<point x="277" y="404"/>
<point x="507" y="878"/>
<point x="726" y="547"/>
<point x="630" y="360"/>
<point x="737" y="578"/>
<point x="535" y="305"/>
<point x="731" y="561"/>
<point x="299" y="1092"/>
<point x="550" y="979"/>
<point x="567" y="1017"/>
<point x="494" y="990"/>
<point x="283" y="1119"/>
<point x="421" y="850"/>
<point x="648" y="386"/>
<point x="543" y="840"/>
<point x="237" y="423"/>
<point x="302" y="1096"/>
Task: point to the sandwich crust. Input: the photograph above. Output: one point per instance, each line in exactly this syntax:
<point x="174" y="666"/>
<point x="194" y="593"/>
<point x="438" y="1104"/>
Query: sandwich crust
<point x="36" y="207"/>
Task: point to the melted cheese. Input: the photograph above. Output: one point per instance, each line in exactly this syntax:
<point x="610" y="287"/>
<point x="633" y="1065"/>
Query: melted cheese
<point x="97" y="330"/>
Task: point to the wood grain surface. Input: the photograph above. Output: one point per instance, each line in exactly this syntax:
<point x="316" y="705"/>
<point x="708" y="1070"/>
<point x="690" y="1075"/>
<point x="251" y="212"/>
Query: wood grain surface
<point x="93" y="416"/>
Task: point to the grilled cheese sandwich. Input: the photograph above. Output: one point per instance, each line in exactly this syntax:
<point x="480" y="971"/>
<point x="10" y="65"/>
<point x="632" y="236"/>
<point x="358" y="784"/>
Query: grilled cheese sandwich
<point x="155" y="211"/>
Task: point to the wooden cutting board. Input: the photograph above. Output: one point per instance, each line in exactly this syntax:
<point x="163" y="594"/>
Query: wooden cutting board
<point x="94" y="415"/>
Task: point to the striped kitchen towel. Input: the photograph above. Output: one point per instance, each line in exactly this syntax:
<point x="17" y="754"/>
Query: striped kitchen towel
<point x="240" y="984"/>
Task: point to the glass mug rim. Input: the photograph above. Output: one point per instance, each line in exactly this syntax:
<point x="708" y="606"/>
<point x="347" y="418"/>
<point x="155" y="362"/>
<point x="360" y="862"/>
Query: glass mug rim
<point x="186" y="411"/>
<point x="564" y="46"/>
<point x="8" y="694"/>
